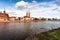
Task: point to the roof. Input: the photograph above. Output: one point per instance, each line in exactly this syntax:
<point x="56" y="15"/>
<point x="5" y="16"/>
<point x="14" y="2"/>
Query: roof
<point x="26" y="17"/>
<point x="12" y="17"/>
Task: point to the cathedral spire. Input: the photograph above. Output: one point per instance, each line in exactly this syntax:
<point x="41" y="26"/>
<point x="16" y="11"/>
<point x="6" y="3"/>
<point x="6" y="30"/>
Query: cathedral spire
<point x="28" y="14"/>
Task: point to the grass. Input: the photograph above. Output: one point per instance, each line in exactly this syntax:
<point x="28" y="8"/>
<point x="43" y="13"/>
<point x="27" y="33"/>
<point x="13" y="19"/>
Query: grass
<point x="49" y="35"/>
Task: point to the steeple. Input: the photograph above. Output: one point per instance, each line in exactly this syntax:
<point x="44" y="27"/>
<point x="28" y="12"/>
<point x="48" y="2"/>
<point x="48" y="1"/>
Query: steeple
<point x="28" y="14"/>
<point x="4" y="11"/>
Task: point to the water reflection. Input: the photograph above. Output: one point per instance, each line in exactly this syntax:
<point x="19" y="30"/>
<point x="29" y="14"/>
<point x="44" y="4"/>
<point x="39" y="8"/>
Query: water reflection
<point x="19" y="31"/>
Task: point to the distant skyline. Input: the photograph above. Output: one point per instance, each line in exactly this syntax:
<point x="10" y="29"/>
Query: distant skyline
<point x="38" y="8"/>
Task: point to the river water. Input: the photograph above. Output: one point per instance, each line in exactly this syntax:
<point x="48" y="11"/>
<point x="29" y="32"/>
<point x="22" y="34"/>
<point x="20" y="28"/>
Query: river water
<point x="19" y="31"/>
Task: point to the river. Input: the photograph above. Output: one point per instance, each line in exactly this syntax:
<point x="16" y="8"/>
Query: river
<point x="20" y="30"/>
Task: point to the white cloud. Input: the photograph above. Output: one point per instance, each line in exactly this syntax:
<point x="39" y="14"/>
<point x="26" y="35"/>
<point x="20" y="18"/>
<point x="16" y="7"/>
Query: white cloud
<point x="43" y="9"/>
<point x="21" y="5"/>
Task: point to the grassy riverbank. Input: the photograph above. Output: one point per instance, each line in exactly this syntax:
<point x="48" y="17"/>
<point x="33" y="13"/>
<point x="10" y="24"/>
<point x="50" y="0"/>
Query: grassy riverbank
<point x="49" y="35"/>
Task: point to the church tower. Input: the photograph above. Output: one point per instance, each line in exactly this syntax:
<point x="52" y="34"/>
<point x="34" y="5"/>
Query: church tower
<point x="28" y="14"/>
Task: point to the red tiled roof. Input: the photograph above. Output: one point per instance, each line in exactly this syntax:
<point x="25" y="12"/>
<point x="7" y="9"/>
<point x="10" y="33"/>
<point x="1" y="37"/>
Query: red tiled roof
<point x="26" y="17"/>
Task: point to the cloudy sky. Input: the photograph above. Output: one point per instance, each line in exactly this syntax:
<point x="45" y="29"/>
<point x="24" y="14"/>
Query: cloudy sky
<point x="37" y="8"/>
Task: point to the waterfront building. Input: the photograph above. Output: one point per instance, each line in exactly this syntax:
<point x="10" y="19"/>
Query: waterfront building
<point x="32" y="18"/>
<point x="4" y="16"/>
<point x="12" y="18"/>
<point x="27" y="17"/>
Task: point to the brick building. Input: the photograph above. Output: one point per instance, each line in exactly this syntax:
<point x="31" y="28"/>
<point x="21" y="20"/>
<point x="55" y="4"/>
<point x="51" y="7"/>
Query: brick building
<point x="4" y="16"/>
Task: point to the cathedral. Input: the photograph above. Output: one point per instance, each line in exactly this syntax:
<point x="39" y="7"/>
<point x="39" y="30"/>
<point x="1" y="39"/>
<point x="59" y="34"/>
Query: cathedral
<point x="4" y="16"/>
<point x="27" y="16"/>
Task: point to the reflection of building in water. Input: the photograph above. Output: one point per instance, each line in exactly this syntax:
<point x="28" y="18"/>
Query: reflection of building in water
<point x="4" y="16"/>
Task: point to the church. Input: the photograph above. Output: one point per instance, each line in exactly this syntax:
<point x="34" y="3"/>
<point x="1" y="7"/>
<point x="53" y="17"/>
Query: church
<point x="27" y="17"/>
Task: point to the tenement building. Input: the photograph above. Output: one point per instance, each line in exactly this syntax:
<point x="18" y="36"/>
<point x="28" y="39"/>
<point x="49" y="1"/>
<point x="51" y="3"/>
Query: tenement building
<point x="4" y="16"/>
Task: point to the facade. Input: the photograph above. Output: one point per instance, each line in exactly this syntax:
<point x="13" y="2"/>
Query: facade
<point x="27" y="17"/>
<point x="4" y="16"/>
<point x="12" y="18"/>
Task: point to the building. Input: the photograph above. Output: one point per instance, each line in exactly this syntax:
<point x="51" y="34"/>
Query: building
<point x="12" y="18"/>
<point x="27" y="17"/>
<point x="32" y="18"/>
<point x="4" y="16"/>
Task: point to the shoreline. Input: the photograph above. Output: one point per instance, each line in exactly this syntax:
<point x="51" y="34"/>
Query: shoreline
<point x="28" y="21"/>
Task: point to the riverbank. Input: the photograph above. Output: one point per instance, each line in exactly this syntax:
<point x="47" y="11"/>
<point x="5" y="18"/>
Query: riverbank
<point x="23" y="21"/>
<point x="49" y="35"/>
<point x="28" y="21"/>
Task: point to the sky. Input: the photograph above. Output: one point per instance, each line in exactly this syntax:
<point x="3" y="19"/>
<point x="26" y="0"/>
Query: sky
<point x="37" y="8"/>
